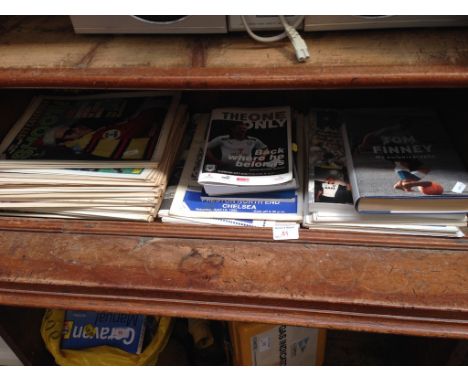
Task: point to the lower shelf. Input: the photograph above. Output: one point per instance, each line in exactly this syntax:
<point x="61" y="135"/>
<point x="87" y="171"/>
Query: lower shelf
<point x="385" y="284"/>
<point x="21" y="327"/>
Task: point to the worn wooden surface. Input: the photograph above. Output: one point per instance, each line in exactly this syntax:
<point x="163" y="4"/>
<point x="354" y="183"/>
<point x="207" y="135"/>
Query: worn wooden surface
<point x="252" y="235"/>
<point x="405" y="290"/>
<point x="44" y="51"/>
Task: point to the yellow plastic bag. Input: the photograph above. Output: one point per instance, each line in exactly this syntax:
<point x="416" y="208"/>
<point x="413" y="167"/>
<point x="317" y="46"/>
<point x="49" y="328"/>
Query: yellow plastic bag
<point x="51" y="332"/>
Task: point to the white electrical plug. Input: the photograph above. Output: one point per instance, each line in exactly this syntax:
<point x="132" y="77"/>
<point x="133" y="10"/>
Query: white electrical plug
<point x="300" y="47"/>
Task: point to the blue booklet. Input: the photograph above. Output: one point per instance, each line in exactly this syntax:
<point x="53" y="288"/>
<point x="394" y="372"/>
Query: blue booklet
<point x="277" y="196"/>
<point x="83" y="329"/>
<point x="194" y="202"/>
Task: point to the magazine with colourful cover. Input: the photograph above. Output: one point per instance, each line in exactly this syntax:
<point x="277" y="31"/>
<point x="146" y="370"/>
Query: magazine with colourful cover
<point x="83" y="329"/>
<point x="402" y="161"/>
<point x="188" y="203"/>
<point x="118" y="130"/>
<point x="171" y="189"/>
<point x="247" y="147"/>
<point x="115" y="175"/>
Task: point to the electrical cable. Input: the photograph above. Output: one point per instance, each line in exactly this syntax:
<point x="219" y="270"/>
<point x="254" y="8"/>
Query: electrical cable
<point x="290" y="31"/>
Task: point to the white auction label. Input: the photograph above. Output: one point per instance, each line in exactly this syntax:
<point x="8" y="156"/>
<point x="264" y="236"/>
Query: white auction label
<point x="287" y="231"/>
<point x="459" y="187"/>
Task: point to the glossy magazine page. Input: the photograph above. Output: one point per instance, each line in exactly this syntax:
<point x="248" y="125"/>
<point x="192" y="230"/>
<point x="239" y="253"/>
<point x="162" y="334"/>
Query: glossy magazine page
<point x="188" y="203"/>
<point x="119" y="129"/>
<point x="250" y="146"/>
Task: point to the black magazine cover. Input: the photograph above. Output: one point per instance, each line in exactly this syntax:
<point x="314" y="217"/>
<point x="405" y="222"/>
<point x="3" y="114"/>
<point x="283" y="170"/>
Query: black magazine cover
<point x="403" y="161"/>
<point x="248" y="147"/>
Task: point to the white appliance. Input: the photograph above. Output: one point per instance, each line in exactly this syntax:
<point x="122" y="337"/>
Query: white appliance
<point x="330" y="23"/>
<point x="261" y="23"/>
<point x="149" y="24"/>
<point x="222" y="24"/>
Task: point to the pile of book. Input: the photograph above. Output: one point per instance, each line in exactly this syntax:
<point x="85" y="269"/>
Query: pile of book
<point x="240" y="169"/>
<point x="104" y="156"/>
<point x="383" y="170"/>
<point x="109" y="156"/>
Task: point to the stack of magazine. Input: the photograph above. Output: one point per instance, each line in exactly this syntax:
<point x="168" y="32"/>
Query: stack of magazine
<point x="108" y="156"/>
<point x="386" y="171"/>
<point x="239" y="170"/>
<point x="102" y="156"/>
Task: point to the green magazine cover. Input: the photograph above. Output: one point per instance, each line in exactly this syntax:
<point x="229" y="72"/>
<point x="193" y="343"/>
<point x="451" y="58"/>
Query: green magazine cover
<point x="117" y="127"/>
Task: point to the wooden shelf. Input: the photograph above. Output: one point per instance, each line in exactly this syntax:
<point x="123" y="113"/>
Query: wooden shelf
<point x="378" y="283"/>
<point x="391" y="284"/>
<point x="43" y="51"/>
